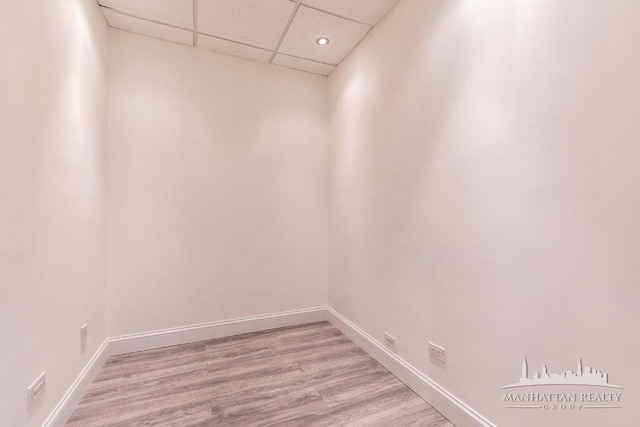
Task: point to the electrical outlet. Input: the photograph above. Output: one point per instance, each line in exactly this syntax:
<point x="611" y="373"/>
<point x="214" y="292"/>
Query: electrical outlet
<point x="437" y="352"/>
<point x="83" y="337"/>
<point x="390" y="341"/>
<point x="36" y="390"/>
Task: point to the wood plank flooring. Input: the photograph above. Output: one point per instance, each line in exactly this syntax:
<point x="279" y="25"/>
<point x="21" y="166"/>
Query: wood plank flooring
<point x="309" y="375"/>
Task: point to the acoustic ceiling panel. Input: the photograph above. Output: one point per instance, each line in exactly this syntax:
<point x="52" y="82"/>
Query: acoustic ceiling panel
<point x="258" y="23"/>
<point x="303" y="64"/>
<point x="367" y="11"/>
<point x="178" y="13"/>
<point x="309" y="24"/>
<point x="148" y="28"/>
<point x="280" y="31"/>
<point x="232" y="48"/>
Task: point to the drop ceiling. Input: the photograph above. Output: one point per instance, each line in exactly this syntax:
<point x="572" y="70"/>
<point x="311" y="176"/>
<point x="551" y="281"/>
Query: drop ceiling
<point x="280" y="32"/>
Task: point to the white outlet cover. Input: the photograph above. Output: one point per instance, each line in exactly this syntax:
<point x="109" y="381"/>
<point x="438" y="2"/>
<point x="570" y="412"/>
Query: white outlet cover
<point x="389" y="340"/>
<point x="83" y="336"/>
<point x="437" y="352"/>
<point x="36" y="390"/>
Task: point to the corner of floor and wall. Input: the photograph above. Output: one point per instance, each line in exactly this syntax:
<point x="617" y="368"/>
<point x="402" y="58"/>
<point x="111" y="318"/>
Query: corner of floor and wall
<point x="466" y="177"/>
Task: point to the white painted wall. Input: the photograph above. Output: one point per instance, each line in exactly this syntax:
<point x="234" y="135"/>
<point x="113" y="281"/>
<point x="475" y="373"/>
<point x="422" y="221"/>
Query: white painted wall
<point x="485" y="193"/>
<point x="53" y="117"/>
<point x="217" y="186"/>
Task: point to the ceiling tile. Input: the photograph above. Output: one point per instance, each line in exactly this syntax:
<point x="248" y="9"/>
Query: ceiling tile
<point x="309" y="24"/>
<point x="178" y="13"/>
<point x="367" y="11"/>
<point x="257" y="23"/>
<point x="303" y="64"/>
<point x="231" y="48"/>
<point x="148" y="28"/>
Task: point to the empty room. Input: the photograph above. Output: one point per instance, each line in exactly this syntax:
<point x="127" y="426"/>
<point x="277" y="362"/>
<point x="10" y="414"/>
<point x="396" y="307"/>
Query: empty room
<point x="320" y="213"/>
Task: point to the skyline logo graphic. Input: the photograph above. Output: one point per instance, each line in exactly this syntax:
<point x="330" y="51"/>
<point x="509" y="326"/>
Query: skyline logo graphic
<point x="571" y="396"/>
<point x="584" y="376"/>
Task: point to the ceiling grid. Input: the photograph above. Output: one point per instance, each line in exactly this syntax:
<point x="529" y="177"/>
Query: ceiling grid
<point x="281" y="32"/>
<point x="195" y="23"/>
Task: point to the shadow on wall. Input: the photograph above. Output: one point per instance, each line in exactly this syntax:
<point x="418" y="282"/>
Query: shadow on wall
<point x="389" y="117"/>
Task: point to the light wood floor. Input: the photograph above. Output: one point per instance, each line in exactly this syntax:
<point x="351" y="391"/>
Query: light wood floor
<point x="308" y="375"/>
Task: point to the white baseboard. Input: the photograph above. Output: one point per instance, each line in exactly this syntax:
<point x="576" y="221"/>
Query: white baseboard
<point x="168" y="337"/>
<point x="208" y="331"/>
<point x="71" y="398"/>
<point x="450" y="406"/>
<point x="459" y="413"/>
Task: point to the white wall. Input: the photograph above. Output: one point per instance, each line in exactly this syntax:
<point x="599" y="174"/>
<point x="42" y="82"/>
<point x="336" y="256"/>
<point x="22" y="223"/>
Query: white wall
<point x="53" y="115"/>
<point x="217" y="186"/>
<point x="485" y="193"/>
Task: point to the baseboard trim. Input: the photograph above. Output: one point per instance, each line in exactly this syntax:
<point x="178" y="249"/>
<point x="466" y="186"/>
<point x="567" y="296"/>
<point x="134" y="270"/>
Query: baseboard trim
<point x="207" y="331"/>
<point x="446" y="403"/>
<point x="459" y="413"/>
<point x="174" y="336"/>
<point x="71" y="398"/>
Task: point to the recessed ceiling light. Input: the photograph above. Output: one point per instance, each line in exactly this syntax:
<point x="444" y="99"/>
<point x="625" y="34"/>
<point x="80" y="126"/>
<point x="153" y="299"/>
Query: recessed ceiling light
<point x="323" y="41"/>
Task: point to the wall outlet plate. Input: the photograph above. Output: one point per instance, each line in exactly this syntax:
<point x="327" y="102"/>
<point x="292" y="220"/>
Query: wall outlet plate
<point x="84" y="333"/>
<point x="437" y="352"/>
<point x="36" y="390"/>
<point x="390" y="341"/>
